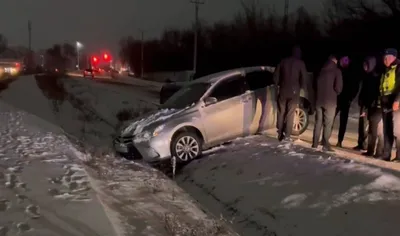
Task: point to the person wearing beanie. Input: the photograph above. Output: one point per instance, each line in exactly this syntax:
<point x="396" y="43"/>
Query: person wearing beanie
<point x="390" y="98"/>
<point x="328" y="85"/>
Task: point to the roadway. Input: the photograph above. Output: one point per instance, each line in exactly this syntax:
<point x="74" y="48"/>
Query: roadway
<point x="259" y="185"/>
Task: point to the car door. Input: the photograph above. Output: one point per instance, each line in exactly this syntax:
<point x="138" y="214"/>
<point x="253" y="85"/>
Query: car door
<point x="264" y="106"/>
<point x="223" y="120"/>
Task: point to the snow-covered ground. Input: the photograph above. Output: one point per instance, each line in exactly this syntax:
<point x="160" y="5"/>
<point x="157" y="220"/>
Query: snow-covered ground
<point x="44" y="190"/>
<point x="138" y="200"/>
<point x="266" y="188"/>
<point x="269" y="188"/>
<point x="261" y="186"/>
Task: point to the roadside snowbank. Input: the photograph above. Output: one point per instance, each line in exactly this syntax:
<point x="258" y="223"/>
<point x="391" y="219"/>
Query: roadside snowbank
<point x="43" y="189"/>
<point x="137" y="199"/>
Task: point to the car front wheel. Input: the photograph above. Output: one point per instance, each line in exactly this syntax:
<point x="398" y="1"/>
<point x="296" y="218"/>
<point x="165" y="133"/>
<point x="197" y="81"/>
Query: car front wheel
<point x="186" y="146"/>
<point x="301" y="120"/>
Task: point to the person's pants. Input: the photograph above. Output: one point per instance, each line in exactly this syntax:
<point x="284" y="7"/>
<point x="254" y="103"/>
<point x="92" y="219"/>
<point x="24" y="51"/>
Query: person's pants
<point x="388" y="132"/>
<point x="396" y="131"/>
<point x="286" y="109"/>
<point x="343" y="108"/>
<point x="375" y="131"/>
<point x="362" y="131"/>
<point x="323" y="118"/>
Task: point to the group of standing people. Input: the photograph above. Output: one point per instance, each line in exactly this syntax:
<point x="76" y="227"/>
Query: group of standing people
<point x="335" y="87"/>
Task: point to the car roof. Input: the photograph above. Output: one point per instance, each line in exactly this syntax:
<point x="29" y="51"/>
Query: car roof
<point x="212" y="78"/>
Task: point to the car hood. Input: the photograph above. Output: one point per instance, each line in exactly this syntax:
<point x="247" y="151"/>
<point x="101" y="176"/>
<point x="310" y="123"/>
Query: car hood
<point x="150" y="120"/>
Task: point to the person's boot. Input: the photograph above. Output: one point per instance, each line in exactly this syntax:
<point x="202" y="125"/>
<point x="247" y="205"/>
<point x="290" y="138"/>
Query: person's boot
<point x="339" y="144"/>
<point x="359" y="148"/>
<point x="368" y="154"/>
<point x="397" y="159"/>
<point x="384" y="157"/>
<point x="327" y="148"/>
<point x="281" y="137"/>
<point x="288" y="139"/>
<point x="314" y="145"/>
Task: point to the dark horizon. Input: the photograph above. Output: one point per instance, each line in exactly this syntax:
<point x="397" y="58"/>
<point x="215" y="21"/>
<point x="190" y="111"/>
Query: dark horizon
<point x="104" y="27"/>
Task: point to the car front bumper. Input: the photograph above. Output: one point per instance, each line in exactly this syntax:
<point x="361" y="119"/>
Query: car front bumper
<point x="154" y="150"/>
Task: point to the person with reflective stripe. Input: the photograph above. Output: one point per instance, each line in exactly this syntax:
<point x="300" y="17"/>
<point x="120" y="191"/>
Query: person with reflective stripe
<point x="389" y="91"/>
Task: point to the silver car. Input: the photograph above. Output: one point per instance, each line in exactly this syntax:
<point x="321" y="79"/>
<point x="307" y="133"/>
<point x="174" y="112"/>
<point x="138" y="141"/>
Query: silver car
<point x="206" y="112"/>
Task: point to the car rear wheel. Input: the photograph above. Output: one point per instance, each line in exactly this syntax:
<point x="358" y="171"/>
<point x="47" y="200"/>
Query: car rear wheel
<point x="186" y="146"/>
<point x="301" y="120"/>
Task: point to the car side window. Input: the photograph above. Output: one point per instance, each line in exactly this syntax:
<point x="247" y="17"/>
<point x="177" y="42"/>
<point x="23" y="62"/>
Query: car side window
<point x="229" y="88"/>
<point x="259" y="79"/>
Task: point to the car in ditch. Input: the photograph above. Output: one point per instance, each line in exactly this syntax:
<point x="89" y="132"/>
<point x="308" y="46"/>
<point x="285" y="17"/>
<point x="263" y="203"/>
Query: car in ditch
<point x="206" y="112"/>
<point x="305" y="108"/>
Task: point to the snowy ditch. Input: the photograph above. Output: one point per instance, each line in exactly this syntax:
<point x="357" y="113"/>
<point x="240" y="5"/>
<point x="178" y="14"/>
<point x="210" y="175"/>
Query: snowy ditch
<point x="137" y="199"/>
<point x="259" y="186"/>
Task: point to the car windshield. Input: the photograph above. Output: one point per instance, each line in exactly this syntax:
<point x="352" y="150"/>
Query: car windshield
<point x="186" y="96"/>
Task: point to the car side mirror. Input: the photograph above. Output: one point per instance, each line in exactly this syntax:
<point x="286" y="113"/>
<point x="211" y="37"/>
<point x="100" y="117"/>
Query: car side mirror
<point x="210" y="100"/>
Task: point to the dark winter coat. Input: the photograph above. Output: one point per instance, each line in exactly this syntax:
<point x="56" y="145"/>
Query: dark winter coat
<point x="369" y="93"/>
<point x="291" y="75"/>
<point x="328" y="85"/>
<point x="351" y="86"/>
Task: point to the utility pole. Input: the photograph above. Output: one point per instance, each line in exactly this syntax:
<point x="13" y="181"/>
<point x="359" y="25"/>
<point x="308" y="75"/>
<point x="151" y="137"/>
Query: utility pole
<point x="196" y="31"/>
<point x="286" y="16"/>
<point x="142" y="54"/>
<point x="28" y="58"/>
<point x="30" y="35"/>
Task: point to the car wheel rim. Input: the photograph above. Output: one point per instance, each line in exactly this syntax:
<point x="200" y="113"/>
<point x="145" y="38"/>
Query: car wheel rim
<point x="299" y="119"/>
<point x="187" y="148"/>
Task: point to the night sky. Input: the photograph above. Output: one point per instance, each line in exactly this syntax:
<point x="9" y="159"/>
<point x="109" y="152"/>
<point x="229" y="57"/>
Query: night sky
<point x="99" y="24"/>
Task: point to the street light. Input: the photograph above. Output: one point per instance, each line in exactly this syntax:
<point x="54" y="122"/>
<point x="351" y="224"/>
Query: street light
<point x="78" y="47"/>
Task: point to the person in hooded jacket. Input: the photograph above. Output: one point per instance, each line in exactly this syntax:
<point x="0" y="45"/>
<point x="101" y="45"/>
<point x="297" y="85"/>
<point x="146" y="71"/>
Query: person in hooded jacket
<point x="290" y="76"/>
<point x="369" y="102"/>
<point x="328" y="85"/>
<point x="351" y="86"/>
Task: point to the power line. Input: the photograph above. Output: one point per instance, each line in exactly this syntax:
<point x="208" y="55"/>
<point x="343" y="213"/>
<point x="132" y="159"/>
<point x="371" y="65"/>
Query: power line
<point x="197" y="3"/>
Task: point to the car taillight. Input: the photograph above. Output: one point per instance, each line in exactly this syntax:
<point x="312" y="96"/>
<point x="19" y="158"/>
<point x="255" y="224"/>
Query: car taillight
<point x="17" y="65"/>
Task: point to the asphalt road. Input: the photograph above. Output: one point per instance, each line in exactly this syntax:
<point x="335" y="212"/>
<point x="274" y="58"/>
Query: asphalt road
<point x="263" y="187"/>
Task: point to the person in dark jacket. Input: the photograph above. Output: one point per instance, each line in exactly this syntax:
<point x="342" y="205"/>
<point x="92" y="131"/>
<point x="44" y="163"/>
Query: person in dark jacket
<point x="351" y="86"/>
<point x="390" y="99"/>
<point x="370" y="109"/>
<point x="328" y="86"/>
<point x="290" y="76"/>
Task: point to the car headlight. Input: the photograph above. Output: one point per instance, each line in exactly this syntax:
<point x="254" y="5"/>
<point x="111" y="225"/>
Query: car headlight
<point x="158" y="130"/>
<point x="142" y="137"/>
